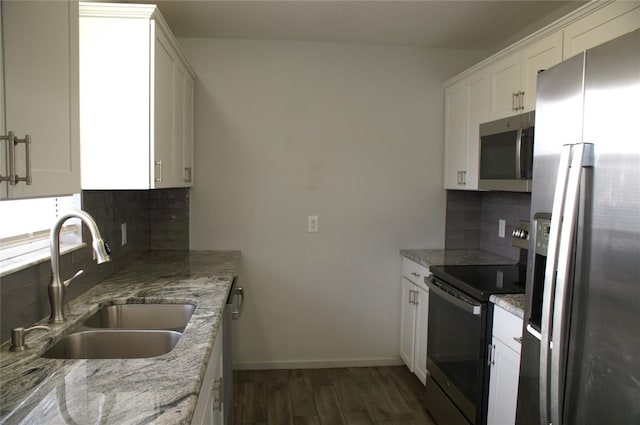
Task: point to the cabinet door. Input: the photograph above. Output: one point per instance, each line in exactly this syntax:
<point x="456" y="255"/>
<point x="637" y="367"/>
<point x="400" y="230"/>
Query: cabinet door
<point x="41" y="93"/>
<point x="537" y="57"/>
<point x="209" y="405"/>
<point x="613" y="20"/>
<point x="187" y="110"/>
<point x="503" y="385"/>
<point x="114" y="101"/>
<point x="422" y="318"/>
<point x="407" y="323"/>
<point x="479" y="106"/>
<point x="455" y="135"/>
<point x="506" y="77"/>
<point x="164" y="158"/>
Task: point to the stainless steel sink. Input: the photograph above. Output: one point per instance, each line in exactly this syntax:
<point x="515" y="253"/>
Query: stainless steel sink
<point x="114" y="344"/>
<point x="142" y="316"/>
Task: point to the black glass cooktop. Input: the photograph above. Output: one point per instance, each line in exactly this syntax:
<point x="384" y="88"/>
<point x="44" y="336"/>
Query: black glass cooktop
<point x="480" y="282"/>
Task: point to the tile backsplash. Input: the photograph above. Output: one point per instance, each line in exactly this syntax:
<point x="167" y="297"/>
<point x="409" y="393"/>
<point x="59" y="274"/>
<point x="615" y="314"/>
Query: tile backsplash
<point x="156" y="220"/>
<point x="472" y="220"/>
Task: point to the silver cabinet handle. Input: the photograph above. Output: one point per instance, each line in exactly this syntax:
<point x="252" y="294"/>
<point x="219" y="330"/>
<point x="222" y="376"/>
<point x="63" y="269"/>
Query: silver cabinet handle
<point x="188" y="174"/>
<point x="158" y="171"/>
<point x="218" y="398"/>
<point x="521" y="100"/>
<point x="12" y="177"/>
<point x="27" y="142"/>
<point x="235" y="314"/>
<point x="490" y="361"/>
<point x="513" y="101"/>
<point x="518" y="339"/>
<point x="415" y="274"/>
<point x="11" y="173"/>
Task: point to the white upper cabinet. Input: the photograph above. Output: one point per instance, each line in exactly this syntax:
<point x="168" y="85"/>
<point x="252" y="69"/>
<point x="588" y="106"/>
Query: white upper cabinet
<point x="40" y="55"/>
<point x="505" y="84"/>
<point x="506" y="80"/>
<point x="466" y="106"/>
<point x="514" y="77"/>
<point x="456" y="99"/>
<point x="136" y="100"/>
<point x="537" y="57"/>
<point x="613" y="20"/>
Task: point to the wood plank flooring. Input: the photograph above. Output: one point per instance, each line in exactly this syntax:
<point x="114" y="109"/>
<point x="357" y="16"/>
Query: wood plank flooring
<point x="346" y="396"/>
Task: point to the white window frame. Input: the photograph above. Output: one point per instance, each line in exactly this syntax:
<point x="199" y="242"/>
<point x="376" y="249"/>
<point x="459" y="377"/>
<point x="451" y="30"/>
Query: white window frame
<point x="26" y="243"/>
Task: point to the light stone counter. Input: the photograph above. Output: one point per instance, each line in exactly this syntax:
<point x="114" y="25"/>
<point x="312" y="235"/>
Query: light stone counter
<point x="157" y="390"/>
<point x="513" y="303"/>
<point x="454" y="257"/>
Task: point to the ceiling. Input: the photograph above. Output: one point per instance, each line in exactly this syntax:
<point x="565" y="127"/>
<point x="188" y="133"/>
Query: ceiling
<point x="475" y="24"/>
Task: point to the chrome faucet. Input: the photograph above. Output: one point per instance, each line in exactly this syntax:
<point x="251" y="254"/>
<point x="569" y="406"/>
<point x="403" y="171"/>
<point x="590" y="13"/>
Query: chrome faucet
<point x="58" y="288"/>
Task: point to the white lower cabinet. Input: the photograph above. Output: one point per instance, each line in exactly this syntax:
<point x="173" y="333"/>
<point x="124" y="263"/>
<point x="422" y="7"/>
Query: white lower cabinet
<point x="413" y="322"/>
<point x="505" y="368"/>
<point x="210" y="403"/>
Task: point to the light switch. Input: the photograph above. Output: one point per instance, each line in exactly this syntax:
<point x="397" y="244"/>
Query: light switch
<point x="312" y="224"/>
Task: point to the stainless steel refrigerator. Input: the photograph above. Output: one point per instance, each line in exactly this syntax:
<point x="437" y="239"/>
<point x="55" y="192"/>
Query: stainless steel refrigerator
<point x="581" y="343"/>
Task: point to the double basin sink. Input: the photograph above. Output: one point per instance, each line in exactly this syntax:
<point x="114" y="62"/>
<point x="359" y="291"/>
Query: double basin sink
<point x="126" y="331"/>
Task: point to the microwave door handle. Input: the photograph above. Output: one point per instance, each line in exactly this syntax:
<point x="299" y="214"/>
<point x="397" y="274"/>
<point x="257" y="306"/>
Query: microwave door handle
<point x="549" y="281"/>
<point x="519" y="154"/>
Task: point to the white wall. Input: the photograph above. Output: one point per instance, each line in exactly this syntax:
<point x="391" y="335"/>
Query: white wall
<point x="351" y="133"/>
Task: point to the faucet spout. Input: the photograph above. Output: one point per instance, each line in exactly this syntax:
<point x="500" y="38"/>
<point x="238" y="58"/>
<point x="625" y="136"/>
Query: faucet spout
<point x="57" y="288"/>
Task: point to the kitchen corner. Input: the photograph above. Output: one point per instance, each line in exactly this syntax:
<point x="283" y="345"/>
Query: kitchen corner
<point x="161" y="389"/>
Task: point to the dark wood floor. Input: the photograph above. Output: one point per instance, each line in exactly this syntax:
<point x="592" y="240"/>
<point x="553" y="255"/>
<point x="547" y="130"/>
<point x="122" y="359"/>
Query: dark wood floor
<point x="349" y="396"/>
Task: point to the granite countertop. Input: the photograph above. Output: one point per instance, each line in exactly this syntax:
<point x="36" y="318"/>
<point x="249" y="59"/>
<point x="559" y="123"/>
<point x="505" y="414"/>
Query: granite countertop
<point x="460" y="257"/>
<point x="454" y="257"/>
<point x="513" y="303"/>
<point x="159" y="390"/>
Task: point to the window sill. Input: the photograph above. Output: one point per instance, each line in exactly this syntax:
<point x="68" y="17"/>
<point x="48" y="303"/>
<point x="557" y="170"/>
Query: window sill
<point x="13" y="265"/>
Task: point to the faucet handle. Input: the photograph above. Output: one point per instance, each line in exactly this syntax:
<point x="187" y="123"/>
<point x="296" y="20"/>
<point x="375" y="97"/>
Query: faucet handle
<point x="68" y="281"/>
<point x="17" y="336"/>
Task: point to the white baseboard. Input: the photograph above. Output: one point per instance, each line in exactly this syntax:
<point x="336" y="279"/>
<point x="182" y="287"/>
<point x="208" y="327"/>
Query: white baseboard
<point x="318" y="364"/>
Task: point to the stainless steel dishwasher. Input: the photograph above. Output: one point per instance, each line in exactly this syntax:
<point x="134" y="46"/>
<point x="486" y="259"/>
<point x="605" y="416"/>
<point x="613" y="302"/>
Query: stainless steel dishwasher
<point x="232" y="311"/>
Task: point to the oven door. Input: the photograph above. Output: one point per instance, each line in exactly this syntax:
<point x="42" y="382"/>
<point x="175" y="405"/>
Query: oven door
<point x="456" y="355"/>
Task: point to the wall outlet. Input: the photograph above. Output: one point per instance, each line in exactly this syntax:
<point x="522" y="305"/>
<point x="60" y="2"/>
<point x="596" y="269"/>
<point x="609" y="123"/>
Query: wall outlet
<point x="312" y="224"/>
<point x="123" y="233"/>
<point x="502" y="224"/>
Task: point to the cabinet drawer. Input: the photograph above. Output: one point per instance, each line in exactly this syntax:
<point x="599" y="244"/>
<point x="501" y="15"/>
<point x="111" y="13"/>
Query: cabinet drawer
<point x="414" y="272"/>
<point x="507" y="328"/>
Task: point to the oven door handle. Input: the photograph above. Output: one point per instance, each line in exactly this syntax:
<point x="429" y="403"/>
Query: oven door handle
<point x="461" y="303"/>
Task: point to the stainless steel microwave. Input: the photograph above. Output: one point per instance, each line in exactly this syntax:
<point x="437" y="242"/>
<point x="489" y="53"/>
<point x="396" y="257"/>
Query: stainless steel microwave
<point x="506" y="154"/>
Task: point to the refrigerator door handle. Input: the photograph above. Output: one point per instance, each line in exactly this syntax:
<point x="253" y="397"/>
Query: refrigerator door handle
<point x="582" y="156"/>
<point x="549" y="281"/>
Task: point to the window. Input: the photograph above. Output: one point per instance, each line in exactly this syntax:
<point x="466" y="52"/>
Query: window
<point x="24" y="235"/>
